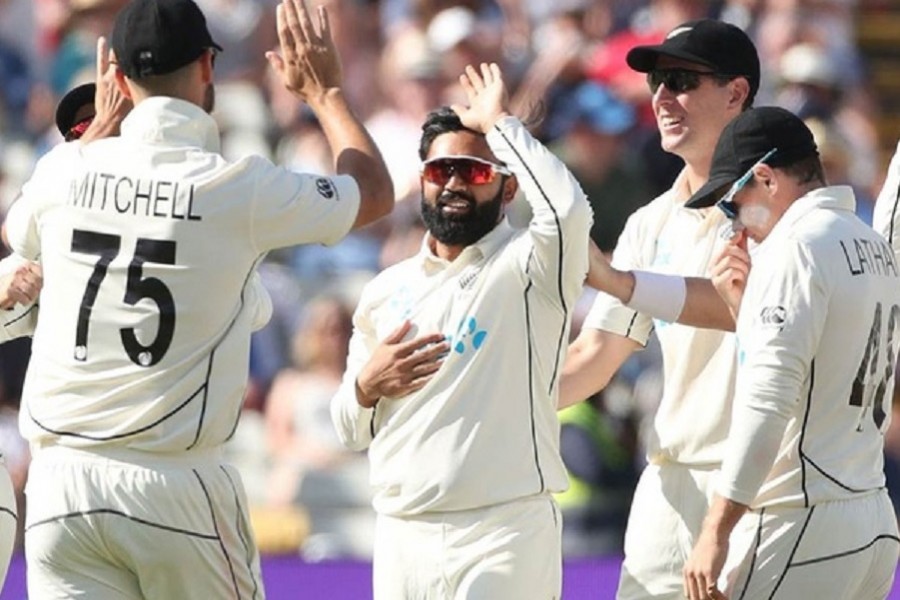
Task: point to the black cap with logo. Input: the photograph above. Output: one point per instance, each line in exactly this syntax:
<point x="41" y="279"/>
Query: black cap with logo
<point x="747" y="139"/>
<point x="720" y="46"/>
<point x="156" y="37"/>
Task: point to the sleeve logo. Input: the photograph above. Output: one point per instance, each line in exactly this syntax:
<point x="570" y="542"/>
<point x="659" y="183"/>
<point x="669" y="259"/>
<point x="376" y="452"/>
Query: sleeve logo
<point x="772" y="315"/>
<point x="325" y="187"/>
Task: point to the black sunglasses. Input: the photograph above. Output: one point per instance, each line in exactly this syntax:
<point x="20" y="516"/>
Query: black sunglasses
<point x="677" y="80"/>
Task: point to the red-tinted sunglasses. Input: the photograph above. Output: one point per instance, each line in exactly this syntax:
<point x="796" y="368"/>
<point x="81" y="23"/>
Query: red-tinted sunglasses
<point x="470" y="169"/>
<point x="77" y="130"/>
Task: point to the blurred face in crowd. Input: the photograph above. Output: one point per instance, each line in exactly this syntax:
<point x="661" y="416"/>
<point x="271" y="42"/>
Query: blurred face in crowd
<point x="462" y="198"/>
<point x="689" y="118"/>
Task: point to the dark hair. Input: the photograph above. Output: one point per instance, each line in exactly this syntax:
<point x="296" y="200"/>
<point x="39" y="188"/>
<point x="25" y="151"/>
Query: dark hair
<point x="438" y="121"/>
<point x="806" y="170"/>
<point x="723" y="80"/>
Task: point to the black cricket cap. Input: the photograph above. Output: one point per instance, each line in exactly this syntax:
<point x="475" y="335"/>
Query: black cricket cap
<point x="70" y="103"/>
<point x="748" y="138"/>
<point x="156" y="37"/>
<point x="721" y="46"/>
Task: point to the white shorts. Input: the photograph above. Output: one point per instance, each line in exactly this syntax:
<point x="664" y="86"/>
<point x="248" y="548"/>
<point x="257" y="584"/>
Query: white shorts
<point x="667" y="510"/>
<point x="135" y="526"/>
<point x="509" y="551"/>
<point x="841" y="549"/>
<point x="8" y="521"/>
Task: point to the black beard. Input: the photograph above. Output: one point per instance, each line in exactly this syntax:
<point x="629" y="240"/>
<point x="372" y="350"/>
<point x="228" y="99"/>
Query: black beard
<point x="462" y="230"/>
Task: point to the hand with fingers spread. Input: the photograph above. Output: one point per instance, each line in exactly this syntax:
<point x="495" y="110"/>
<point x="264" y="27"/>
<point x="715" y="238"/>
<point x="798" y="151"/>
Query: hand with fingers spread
<point x="487" y="95"/>
<point x="397" y="368"/>
<point x="308" y="62"/>
<point x="22" y="286"/>
<point x="111" y="105"/>
<point x="729" y="271"/>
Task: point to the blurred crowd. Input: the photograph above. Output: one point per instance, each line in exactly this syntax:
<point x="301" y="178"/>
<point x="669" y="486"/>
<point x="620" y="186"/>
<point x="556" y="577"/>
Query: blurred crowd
<point x="565" y="60"/>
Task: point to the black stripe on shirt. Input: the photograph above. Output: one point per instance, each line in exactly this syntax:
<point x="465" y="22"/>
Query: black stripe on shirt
<point x="530" y="365"/>
<point x="560" y="256"/>
<point x="890" y="237"/>
<point x="9" y="512"/>
<point x="812" y="384"/>
<point x="30" y="310"/>
<point x="805" y="459"/>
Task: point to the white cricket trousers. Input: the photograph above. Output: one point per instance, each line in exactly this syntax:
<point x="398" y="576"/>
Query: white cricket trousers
<point x="8" y="521"/>
<point x="510" y="551"/>
<point x="840" y="550"/>
<point x="667" y="511"/>
<point x="129" y="525"/>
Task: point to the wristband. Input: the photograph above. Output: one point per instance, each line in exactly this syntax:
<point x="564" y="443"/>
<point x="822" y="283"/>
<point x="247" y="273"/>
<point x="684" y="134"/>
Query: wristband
<point x="657" y="295"/>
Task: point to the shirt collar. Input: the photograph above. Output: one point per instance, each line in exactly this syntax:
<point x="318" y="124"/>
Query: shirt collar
<point x="486" y="246"/>
<point x="836" y="197"/>
<point x="172" y="121"/>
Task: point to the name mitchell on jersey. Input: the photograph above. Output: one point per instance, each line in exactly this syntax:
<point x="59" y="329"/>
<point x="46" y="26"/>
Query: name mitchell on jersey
<point x="145" y="197"/>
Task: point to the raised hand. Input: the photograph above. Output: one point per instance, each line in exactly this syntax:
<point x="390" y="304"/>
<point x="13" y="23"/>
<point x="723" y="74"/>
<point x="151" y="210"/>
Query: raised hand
<point x="729" y="271"/>
<point x="22" y="286"/>
<point x="308" y="62"/>
<point x="487" y="95"/>
<point x="110" y="104"/>
<point x="397" y="368"/>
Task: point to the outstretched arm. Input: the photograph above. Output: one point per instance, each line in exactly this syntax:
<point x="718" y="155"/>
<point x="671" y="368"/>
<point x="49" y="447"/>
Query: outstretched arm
<point x="690" y="301"/>
<point x="310" y="67"/>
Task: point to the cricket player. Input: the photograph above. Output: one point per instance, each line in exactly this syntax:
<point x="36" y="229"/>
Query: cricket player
<point x="886" y="219"/>
<point x="148" y="242"/>
<point x="452" y="375"/>
<point x="702" y="76"/>
<point x="801" y="493"/>
<point x="19" y="287"/>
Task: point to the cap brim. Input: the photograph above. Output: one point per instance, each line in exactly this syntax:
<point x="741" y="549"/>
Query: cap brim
<point x="70" y="103"/>
<point x="710" y="192"/>
<point x="643" y="58"/>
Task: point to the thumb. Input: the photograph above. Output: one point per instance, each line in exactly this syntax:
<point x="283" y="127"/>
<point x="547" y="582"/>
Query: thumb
<point x="275" y="61"/>
<point x="398" y="334"/>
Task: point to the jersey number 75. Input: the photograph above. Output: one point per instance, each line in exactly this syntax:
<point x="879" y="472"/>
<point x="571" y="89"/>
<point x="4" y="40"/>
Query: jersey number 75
<point x="106" y="247"/>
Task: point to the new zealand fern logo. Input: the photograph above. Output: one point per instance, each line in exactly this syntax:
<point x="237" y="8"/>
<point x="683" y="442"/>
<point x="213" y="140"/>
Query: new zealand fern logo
<point x="468" y="334"/>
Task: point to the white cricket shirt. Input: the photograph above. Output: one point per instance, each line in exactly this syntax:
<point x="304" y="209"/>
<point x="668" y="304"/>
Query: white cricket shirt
<point x="694" y="413"/>
<point x="484" y="429"/>
<point x="886" y="217"/>
<point x="148" y="242"/>
<point x="818" y="336"/>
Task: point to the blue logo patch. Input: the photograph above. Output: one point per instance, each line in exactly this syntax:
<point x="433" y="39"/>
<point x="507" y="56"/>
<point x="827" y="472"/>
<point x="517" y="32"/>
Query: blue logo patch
<point x="468" y="334"/>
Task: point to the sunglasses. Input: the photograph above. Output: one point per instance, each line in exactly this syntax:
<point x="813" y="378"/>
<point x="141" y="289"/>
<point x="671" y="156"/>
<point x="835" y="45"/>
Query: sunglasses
<point x="77" y="130"/>
<point x="726" y="203"/>
<point x="470" y="169"/>
<point x="677" y="80"/>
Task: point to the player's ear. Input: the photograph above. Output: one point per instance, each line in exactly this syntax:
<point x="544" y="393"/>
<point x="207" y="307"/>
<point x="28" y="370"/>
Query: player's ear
<point x="510" y="187"/>
<point x="765" y="176"/>
<point x="122" y="84"/>
<point x="739" y="89"/>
